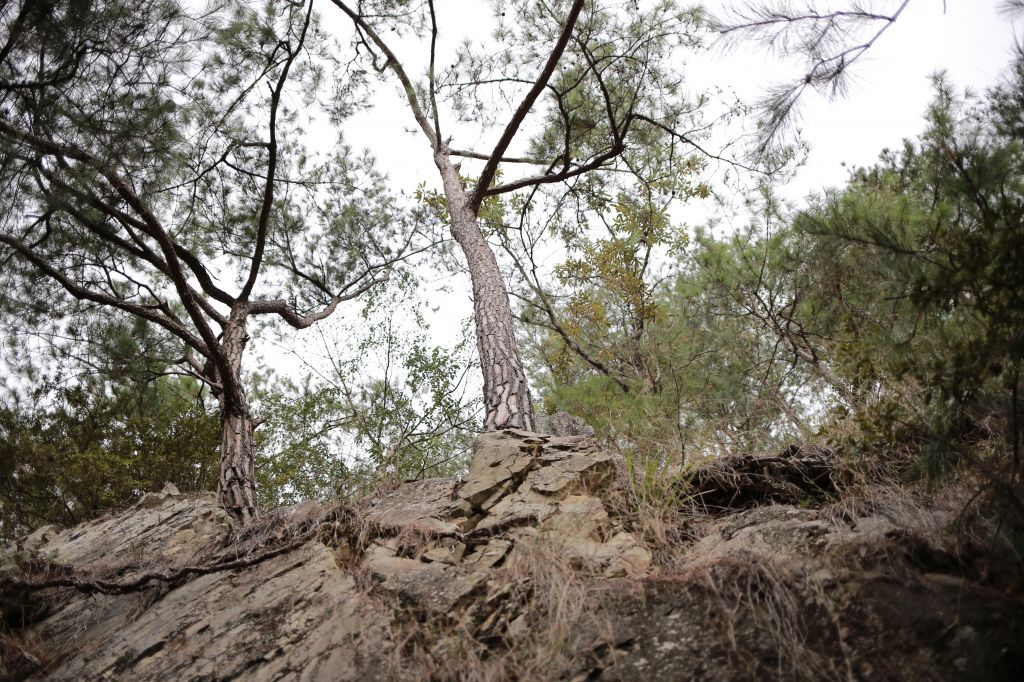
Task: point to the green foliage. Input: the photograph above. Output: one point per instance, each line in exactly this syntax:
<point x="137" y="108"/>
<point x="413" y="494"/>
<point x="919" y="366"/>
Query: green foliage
<point x="492" y="209"/>
<point x="900" y="294"/>
<point x="631" y="335"/>
<point x="889" y="312"/>
<point x="74" y="453"/>
<point x="393" y="407"/>
<point x="414" y="416"/>
<point x="295" y="460"/>
<point x="414" y="422"/>
<point x="657" y="483"/>
<point x="928" y="245"/>
<point x="653" y="360"/>
<point x="154" y="165"/>
<point x="166" y="126"/>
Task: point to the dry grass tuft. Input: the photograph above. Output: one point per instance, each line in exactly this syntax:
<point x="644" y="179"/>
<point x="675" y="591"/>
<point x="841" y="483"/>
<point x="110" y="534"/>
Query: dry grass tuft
<point x="770" y="618"/>
<point x="22" y="655"/>
<point x="524" y="625"/>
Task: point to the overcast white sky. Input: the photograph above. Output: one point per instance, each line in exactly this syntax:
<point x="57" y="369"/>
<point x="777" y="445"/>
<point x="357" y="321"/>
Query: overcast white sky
<point x="968" y="38"/>
<point x="891" y="89"/>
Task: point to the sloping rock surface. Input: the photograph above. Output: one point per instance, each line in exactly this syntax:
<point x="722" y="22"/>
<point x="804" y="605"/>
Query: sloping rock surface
<point x="780" y="592"/>
<point x="524" y="570"/>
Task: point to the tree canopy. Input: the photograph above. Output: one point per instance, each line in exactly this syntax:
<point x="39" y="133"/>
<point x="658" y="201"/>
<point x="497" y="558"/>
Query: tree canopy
<point x="154" y="166"/>
<point x="176" y="180"/>
<point x="885" y="314"/>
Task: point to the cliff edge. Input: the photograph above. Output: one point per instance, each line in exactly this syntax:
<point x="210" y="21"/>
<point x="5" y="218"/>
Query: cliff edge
<point x="543" y="563"/>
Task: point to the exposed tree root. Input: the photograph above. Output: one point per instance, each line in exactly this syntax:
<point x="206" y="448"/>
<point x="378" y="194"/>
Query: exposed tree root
<point x="141" y="582"/>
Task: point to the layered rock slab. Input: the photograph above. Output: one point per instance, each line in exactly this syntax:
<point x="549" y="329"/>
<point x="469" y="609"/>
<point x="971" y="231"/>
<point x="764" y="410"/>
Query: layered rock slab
<point x="784" y="593"/>
<point x="438" y="576"/>
<point x="431" y="547"/>
<point x="524" y="492"/>
<point x="294" y="616"/>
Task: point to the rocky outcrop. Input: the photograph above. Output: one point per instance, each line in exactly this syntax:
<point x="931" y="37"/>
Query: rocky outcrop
<point x="432" y="544"/>
<point x="523" y="490"/>
<point x="781" y="592"/>
<point x="526" y="569"/>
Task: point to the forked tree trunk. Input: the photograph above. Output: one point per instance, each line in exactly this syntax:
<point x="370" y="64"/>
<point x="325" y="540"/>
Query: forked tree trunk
<point x="236" y="485"/>
<point x="506" y="393"/>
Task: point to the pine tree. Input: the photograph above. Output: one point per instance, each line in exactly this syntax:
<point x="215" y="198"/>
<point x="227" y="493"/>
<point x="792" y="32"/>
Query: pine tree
<point x="153" y="166"/>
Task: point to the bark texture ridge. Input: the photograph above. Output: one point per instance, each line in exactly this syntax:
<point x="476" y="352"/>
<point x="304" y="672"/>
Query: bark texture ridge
<point x="507" y="402"/>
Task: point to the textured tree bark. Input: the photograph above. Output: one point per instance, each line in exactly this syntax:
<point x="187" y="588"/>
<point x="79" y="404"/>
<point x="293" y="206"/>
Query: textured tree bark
<point x="236" y="485"/>
<point x="507" y="402"/>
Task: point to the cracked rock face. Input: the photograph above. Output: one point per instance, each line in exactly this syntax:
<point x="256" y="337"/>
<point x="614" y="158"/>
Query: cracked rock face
<point x="545" y="489"/>
<point x="524" y="492"/>
<point x="299" y="615"/>
<point x="522" y="489"/>
<point x="165" y="523"/>
<point x="419" y="505"/>
<point x="562" y="424"/>
<point x="516" y="478"/>
<point x="402" y="585"/>
<point x="293" y="613"/>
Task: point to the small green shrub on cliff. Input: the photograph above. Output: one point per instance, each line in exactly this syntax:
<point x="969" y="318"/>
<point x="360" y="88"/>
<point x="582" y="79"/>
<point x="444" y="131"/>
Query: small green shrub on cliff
<point x="78" y="452"/>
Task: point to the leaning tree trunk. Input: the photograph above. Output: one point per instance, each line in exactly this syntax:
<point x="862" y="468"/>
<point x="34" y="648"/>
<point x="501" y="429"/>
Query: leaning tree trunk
<point x="506" y="393"/>
<point x="236" y="485"/>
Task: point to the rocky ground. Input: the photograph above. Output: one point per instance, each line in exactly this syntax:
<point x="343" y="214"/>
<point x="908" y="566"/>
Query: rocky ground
<point x="545" y="562"/>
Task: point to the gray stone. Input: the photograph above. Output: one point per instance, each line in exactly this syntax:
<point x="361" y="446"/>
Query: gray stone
<point x="419" y="505"/>
<point x="562" y="424"/>
<point x="520" y="563"/>
<point x="290" y="614"/>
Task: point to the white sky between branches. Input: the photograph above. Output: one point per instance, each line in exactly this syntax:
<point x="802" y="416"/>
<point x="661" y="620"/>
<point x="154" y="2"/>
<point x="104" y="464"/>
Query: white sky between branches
<point x="970" y="39"/>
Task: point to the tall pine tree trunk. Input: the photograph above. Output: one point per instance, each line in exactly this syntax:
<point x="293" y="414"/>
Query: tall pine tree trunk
<point x="236" y="485"/>
<point x="506" y="393"/>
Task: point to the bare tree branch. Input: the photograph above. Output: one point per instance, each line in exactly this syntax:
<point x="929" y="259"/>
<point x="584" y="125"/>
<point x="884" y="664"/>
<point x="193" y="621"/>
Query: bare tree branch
<point x="431" y="80"/>
<point x="84" y="294"/>
<point x="281" y="308"/>
<point x="396" y="67"/>
<point x="466" y="154"/>
<point x="269" y="186"/>
<point x="594" y="163"/>
<point x="491" y="167"/>
<point x="174" y="271"/>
